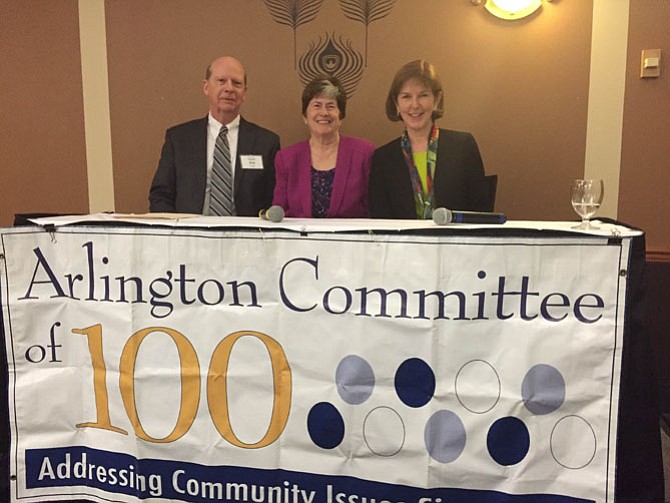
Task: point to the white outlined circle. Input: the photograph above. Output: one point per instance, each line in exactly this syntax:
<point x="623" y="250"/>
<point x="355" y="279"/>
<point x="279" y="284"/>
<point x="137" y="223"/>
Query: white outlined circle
<point x="573" y="442"/>
<point x="384" y="431"/>
<point x="477" y="386"/>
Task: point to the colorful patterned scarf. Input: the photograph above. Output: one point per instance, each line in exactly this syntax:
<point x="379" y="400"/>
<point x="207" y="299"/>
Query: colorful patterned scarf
<point x="423" y="200"/>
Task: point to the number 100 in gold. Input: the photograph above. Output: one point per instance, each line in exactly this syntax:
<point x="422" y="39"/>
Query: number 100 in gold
<point x="189" y="369"/>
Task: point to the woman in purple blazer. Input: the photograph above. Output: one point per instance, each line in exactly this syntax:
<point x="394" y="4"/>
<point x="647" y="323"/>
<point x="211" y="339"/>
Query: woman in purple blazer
<point x="326" y="175"/>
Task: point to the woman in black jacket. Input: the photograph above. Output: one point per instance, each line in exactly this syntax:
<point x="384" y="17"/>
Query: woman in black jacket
<point x="427" y="167"/>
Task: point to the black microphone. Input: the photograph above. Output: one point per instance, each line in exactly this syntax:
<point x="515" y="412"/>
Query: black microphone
<point x="274" y="213"/>
<point x="443" y="216"/>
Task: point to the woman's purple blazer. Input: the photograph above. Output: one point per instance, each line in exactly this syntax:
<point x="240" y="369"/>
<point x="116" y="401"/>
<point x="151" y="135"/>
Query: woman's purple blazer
<point x="349" y="197"/>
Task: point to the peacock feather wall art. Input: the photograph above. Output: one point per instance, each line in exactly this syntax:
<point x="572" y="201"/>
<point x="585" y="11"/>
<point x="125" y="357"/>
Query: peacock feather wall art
<point x="366" y="12"/>
<point x="294" y="13"/>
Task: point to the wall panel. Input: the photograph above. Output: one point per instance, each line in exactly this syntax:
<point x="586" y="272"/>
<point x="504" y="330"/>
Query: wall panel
<point x="645" y="166"/>
<point x="43" y="157"/>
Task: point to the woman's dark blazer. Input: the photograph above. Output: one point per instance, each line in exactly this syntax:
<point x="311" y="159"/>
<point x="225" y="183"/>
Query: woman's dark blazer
<point x="458" y="183"/>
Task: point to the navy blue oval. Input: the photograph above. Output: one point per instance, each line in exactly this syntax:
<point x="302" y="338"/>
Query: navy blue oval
<point x="415" y="382"/>
<point x="325" y="425"/>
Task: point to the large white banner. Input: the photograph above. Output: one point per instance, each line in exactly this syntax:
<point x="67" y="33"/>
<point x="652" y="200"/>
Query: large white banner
<point x="245" y="366"/>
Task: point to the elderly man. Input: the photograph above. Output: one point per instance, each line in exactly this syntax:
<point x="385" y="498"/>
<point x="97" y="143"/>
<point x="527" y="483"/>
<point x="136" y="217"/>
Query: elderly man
<point x="219" y="164"/>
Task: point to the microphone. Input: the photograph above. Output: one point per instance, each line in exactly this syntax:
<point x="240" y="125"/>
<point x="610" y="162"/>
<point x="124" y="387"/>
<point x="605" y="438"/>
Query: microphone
<point x="443" y="216"/>
<point x="274" y="213"/>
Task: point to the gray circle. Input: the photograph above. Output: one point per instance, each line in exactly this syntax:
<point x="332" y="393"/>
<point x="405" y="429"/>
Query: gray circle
<point x="543" y="389"/>
<point x="444" y="436"/>
<point x="355" y="379"/>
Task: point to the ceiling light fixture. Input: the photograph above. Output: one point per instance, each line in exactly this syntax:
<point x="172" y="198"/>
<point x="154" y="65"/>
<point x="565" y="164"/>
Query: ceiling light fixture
<point x="510" y="9"/>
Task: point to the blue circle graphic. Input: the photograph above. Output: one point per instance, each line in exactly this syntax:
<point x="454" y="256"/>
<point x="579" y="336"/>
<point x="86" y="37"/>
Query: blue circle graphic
<point x="355" y="379"/>
<point x="325" y="425"/>
<point x="543" y="389"/>
<point x="415" y="382"/>
<point x="444" y="436"/>
<point x="508" y="441"/>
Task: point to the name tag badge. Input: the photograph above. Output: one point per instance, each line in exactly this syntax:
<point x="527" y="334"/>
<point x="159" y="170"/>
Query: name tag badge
<point x="251" y="161"/>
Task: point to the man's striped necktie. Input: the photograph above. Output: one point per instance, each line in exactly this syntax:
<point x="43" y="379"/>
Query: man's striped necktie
<point x="221" y="184"/>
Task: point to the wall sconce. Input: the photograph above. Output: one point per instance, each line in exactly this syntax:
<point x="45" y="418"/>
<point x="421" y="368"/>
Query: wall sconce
<point x="510" y="9"/>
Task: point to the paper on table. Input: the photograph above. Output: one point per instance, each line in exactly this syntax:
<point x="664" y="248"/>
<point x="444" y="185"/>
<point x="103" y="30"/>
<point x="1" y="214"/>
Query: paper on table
<point x="158" y="216"/>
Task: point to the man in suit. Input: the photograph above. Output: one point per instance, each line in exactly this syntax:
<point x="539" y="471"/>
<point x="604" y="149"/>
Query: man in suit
<point x="182" y="182"/>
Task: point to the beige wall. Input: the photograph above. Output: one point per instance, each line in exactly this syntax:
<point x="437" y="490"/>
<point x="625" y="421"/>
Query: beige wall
<point x="521" y="88"/>
<point x="645" y="156"/>
<point x="42" y="144"/>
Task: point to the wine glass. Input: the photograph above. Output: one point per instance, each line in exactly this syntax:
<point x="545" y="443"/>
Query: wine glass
<point x="586" y="196"/>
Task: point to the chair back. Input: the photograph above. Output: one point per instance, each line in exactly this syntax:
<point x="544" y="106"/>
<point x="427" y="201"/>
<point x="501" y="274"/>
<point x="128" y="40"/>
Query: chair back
<point x="491" y="186"/>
